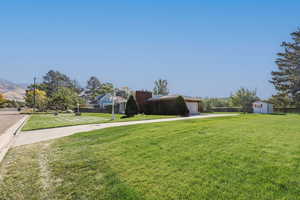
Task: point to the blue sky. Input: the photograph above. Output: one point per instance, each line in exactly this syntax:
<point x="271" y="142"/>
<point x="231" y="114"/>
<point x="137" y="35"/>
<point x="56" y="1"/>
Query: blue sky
<point x="203" y="48"/>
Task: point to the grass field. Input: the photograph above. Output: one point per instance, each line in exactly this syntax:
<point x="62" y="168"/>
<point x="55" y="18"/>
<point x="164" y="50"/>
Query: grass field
<point x="42" y="121"/>
<point x="242" y="157"/>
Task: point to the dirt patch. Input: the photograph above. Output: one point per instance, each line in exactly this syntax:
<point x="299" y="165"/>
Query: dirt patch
<point x="43" y="163"/>
<point x="27" y="165"/>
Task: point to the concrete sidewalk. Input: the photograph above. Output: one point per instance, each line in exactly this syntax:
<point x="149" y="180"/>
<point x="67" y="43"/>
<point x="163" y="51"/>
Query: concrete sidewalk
<point x="29" y="137"/>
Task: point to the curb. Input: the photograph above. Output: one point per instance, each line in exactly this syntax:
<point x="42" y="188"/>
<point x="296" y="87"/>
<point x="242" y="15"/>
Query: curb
<point x="7" y="138"/>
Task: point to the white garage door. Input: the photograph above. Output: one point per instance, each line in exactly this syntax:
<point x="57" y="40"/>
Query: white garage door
<point x="193" y="107"/>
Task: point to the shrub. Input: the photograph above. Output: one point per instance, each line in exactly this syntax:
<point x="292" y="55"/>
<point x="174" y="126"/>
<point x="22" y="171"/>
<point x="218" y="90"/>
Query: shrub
<point x="131" y="107"/>
<point x="181" y="106"/>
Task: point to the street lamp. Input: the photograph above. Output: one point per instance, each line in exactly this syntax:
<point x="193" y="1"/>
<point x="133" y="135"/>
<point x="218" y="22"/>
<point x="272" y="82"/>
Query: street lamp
<point x="34" y="94"/>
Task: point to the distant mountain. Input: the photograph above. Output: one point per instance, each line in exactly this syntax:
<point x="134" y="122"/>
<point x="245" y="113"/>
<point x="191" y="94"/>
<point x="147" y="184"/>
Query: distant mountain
<point x="12" y="91"/>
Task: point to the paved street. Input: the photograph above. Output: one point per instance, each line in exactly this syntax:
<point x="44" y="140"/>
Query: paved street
<point x="7" y="119"/>
<point x="10" y="121"/>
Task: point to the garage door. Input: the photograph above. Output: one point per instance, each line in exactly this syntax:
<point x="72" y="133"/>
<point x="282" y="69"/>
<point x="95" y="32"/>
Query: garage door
<point x="193" y="107"/>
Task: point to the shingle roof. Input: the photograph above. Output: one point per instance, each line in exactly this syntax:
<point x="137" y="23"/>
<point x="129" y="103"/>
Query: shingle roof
<point x="264" y="101"/>
<point x="173" y="97"/>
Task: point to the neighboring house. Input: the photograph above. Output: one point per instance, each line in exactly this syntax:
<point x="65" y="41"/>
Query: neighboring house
<point x="262" y="107"/>
<point x="123" y="92"/>
<point x="106" y="100"/>
<point x="152" y="104"/>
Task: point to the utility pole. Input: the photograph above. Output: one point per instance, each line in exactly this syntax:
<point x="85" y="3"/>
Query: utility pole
<point x="113" y="104"/>
<point x="34" y="93"/>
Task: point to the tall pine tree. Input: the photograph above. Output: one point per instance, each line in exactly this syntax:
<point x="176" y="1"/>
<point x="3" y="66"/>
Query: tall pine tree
<point x="287" y="79"/>
<point x="93" y="88"/>
<point x="54" y="80"/>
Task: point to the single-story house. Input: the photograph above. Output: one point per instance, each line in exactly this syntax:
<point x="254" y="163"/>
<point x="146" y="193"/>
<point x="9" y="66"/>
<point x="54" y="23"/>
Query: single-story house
<point x="262" y="107"/>
<point x="164" y="105"/>
<point x="106" y="100"/>
<point x="191" y="103"/>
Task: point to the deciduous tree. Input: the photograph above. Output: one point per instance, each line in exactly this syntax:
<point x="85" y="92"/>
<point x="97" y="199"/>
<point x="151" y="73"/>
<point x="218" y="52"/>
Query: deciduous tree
<point x="244" y="98"/>
<point x="2" y="100"/>
<point x="38" y="99"/>
<point x="106" y="88"/>
<point x="161" y="87"/>
<point x="281" y="100"/>
<point x="64" y="98"/>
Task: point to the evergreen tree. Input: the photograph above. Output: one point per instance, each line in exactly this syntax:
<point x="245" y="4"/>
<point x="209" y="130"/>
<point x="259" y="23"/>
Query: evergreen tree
<point x="280" y="100"/>
<point x="287" y="79"/>
<point x="131" y="107"/>
<point x="93" y="88"/>
<point x="54" y="80"/>
<point x="181" y="106"/>
<point x="161" y="87"/>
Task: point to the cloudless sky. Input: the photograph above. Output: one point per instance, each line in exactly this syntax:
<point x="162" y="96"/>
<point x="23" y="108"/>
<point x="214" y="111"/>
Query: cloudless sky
<point x="203" y="48"/>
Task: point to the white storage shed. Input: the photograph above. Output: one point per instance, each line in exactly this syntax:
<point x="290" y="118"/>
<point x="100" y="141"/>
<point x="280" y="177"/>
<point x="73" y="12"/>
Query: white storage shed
<point x="262" y="107"/>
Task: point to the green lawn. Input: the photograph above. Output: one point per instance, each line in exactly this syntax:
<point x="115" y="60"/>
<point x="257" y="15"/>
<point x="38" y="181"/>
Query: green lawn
<point x="242" y="157"/>
<point x="42" y="121"/>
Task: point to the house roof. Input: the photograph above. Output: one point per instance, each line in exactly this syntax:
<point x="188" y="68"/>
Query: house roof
<point x="100" y="96"/>
<point x="173" y="97"/>
<point x="262" y="102"/>
<point x="118" y="99"/>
